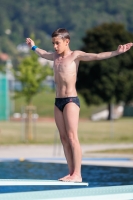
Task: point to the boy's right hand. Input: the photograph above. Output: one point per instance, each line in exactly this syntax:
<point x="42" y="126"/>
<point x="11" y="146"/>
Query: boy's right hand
<point x="30" y="42"/>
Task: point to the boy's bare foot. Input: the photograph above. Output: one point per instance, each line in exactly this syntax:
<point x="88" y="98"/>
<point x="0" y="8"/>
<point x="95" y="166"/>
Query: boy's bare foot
<point x="63" y="178"/>
<point x="73" y="178"/>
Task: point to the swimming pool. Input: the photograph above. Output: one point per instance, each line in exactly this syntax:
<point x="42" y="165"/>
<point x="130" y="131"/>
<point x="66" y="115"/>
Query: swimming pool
<point x="97" y="176"/>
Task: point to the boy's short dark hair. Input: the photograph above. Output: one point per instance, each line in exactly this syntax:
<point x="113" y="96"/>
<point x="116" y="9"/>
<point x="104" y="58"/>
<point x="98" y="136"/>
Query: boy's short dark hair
<point x="61" y="32"/>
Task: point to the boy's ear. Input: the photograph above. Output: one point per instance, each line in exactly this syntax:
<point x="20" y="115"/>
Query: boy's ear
<point x="67" y="41"/>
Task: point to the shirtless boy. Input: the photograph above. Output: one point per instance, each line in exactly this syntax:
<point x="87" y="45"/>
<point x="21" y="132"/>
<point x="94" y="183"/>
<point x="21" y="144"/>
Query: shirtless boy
<point x="67" y="105"/>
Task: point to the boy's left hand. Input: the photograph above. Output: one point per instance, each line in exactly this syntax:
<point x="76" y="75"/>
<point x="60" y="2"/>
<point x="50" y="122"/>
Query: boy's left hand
<point x="124" y="48"/>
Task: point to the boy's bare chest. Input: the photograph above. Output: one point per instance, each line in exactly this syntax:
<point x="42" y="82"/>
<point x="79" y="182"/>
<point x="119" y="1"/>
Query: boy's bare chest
<point x="64" y="65"/>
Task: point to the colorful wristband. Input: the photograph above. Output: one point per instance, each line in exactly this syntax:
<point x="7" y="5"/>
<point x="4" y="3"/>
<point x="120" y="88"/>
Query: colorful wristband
<point x="34" y="48"/>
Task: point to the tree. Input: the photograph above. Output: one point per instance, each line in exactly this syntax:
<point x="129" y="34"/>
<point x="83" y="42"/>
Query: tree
<point x="109" y="80"/>
<point x="27" y="16"/>
<point x="30" y="73"/>
<point x="2" y="67"/>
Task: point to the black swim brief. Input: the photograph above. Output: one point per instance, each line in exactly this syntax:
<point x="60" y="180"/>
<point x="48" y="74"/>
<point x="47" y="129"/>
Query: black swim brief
<point x="61" y="102"/>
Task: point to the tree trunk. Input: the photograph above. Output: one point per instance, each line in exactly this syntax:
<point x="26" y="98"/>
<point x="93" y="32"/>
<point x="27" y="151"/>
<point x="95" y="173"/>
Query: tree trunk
<point x="29" y="126"/>
<point x="110" y="109"/>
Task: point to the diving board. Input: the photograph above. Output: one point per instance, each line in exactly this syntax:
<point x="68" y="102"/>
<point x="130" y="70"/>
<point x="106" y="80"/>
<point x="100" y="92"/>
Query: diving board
<point x="17" y="182"/>
<point x="97" y="193"/>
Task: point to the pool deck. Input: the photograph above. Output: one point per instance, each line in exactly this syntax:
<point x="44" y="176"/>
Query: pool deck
<point x="54" y="154"/>
<point x="50" y="153"/>
<point x="99" y="193"/>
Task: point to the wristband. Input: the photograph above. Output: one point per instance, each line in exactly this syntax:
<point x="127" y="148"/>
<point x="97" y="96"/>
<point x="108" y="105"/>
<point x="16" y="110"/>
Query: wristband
<point x="34" y="48"/>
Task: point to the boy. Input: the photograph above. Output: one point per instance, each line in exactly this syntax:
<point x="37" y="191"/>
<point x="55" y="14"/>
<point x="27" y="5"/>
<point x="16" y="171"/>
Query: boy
<point x="67" y="105"/>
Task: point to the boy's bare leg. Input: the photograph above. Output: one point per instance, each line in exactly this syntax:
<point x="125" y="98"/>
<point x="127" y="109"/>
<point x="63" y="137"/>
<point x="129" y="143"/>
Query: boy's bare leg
<point x="59" y="119"/>
<point x="71" y="118"/>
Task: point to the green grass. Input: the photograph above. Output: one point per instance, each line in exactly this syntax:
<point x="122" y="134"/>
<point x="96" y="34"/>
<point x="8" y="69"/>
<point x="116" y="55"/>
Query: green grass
<point x="115" y="151"/>
<point x="120" y="131"/>
<point x="44" y="103"/>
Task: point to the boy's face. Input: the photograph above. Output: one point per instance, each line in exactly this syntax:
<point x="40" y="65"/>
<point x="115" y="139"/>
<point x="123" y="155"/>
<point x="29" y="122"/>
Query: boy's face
<point x="60" y="44"/>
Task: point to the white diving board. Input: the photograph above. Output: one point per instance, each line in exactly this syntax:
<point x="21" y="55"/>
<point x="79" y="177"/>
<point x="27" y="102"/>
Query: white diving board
<point x="18" y="182"/>
<point x="97" y="193"/>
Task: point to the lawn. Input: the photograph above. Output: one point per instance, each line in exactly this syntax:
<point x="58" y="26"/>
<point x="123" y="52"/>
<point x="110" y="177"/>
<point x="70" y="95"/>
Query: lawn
<point x="44" y="103"/>
<point x="119" y="131"/>
<point x="115" y="151"/>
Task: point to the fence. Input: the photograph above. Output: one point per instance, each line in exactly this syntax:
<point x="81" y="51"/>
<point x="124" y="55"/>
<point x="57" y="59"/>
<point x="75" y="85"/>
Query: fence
<point x="128" y="111"/>
<point x="4" y="98"/>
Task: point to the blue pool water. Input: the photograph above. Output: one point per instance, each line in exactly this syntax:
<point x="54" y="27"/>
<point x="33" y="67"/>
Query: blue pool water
<point x="97" y="176"/>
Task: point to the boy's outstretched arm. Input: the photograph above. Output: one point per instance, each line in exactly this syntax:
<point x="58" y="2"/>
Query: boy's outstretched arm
<point x="82" y="56"/>
<point x="40" y="52"/>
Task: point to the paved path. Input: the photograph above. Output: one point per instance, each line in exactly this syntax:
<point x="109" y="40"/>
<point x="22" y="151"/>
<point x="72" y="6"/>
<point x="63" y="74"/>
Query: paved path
<point x="51" y="153"/>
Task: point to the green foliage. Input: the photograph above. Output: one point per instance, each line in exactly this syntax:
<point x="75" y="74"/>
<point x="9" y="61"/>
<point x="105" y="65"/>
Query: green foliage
<point x="2" y="66"/>
<point x="43" y="17"/>
<point x="31" y="74"/>
<point x="108" y="80"/>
